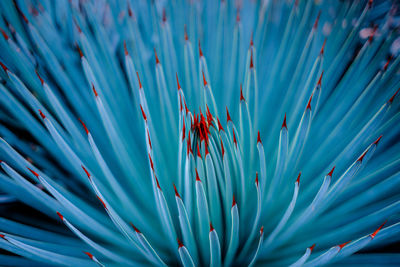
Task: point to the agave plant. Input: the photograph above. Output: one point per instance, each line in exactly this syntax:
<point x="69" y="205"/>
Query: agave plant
<point x="123" y="140"/>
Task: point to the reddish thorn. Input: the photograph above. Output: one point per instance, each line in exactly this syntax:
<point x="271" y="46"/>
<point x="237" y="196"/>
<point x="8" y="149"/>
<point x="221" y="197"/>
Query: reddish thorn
<point x="94" y="91"/>
<point x="176" y="192"/>
<point x="206" y="149"/>
<point x="241" y="94"/>
<point x="41" y="114"/>
<point x="4" y="67"/>
<point x="143" y="114"/>
<point x="360" y="159"/>
<point x="233" y="201"/>
<point x="77" y="26"/>
<point x="151" y="163"/>
<point x="312" y="247"/>
<point x="102" y="202"/>
<point x="179" y="243"/>
<point x="23" y="16"/>
<point x="89" y="254"/>
<point x="320" y="78"/>
<point x="298" y="179"/>
<point x="323" y="48"/>
<point x="177" y="81"/>
<point x="390" y="100"/>
<point x="40" y="78"/>
<point x="4" y="34"/>
<point x="251" y="40"/>
<point x="186" y="35"/>
<point x="211" y="227"/>
<point x="234" y="137"/>
<point x="79" y="50"/>
<point x="377" y="230"/>
<point x="377" y="140"/>
<point x="61" y="217"/>
<point x="155" y="53"/>
<point x="189" y="147"/>
<point x="164" y="16"/>
<point x="148" y="136"/>
<point x="257" y="179"/>
<point x="228" y="117"/>
<point x="134" y="228"/>
<point x="158" y="184"/>
<point x="129" y="11"/>
<point x="317" y="20"/>
<point x="140" y="83"/>
<point x="371" y="37"/>
<point x="309" y="102"/>
<point x="186" y="108"/>
<point x="370" y="3"/>
<point x="180" y="103"/>
<point x="198" y="151"/>
<point x="125" y="49"/>
<point x="251" y="60"/>
<point x="262" y="230"/>
<point x="331" y="172"/>
<point x="342" y="245"/>
<point x="197" y="175"/>
<point x="84" y="126"/>
<point x="3" y="236"/>
<point x="259" y="138"/>
<point x="33" y="172"/>
<point x="200" y="52"/>
<point x="204" y="79"/>
<point x="387" y="62"/>
<point x="284" y="125"/>
<point x="222" y="148"/>
<point x="220" y="126"/>
<point x="86" y="171"/>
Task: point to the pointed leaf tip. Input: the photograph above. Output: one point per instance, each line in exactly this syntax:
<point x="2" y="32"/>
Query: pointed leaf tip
<point x="4" y="67"/>
<point x="323" y="48"/>
<point x="257" y="179"/>
<point x="151" y="163"/>
<point x="377" y="140"/>
<point x="259" y="138"/>
<point x="233" y="201"/>
<point x="241" y="94"/>
<point x="360" y="159"/>
<point x="204" y="79"/>
<point x="102" y="202"/>
<point x="157" y="60"/>
<point x="317" y="20"/>
<point x="251" y="60"/>
<point x="320" y="78"/>
<point x="197" y="176"/>
<point x="134" y="228"/>
<point x="377" y="230"/>
<point x="33" y="172"/>
<point x="94" y="91"/>
<point x="198" y="150"/>
<point x="177" y="81"/>
<point x="41" y="114"/>
<point x="84" y="126"/>
<point x="234" y="137"/>
<point x="262" y="230"/>
<point x="312" y="248"/>
<point x="79" y="50"/>
<point x="393" y="96"/>
<point x="143" y="114"/>
<point x="228" y="117"/>
<point x="331" y="172"/>
<point x="179" y="243"/>
<point x="140" y="83"/>
<point x="86" y="171"/>
<point x="4" y="34"/>
<point x="309" y="102"/>
<point x="211" y="227"/>
<point x="89" y="254"/>
<point x="158" y="184"/>
<point x="60" y="215"/>
<point x="222" y="148"/>
<point x="298" y="178"/>
<point x="284" y="125"/>
<point x="40" y="78"/>
<point x="186" y="35"/>
<point x="176" y="191"/>
<point x="220" y="126"/>
<point x="125" y="49"/>
<point x="200" y="51"/>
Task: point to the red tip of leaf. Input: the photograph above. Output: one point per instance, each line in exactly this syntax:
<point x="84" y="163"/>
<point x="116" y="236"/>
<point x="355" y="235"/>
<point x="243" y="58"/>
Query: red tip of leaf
<point x="241" y="94"/>
<point x="186" y="35"/>
<point x="125" y="49"/>
<point x="157" y="60"/>
<point x="309" y="102"/>
<point x="84" y="126"/>
<point x="4" y="67"/>
<point x="204" y="79"/>
<point x="228" y="117"/>
<point x="86" y="171"/>
<point x="234" y="137"/>
<point x="89" y="254"/>
<point x="393" y="96"/>
<point x="220" y="125"/>
<point x="377" y="140"/>
<point x="200" y="52"/>
<point x="233" y="201"/>
<point x="4" y="34"/>
<point x="251" y="60"/>
<point x="344" y="244"/>
<point x="143" y="114"/>
<point x="331" y="172"/>
<point x="259" y="138"/>
<point x="158" y="184"/>
<point x="151" y="163"/>
<point x="179" y="243"/>
<point x="59" y="215"/>
<point x="320" y="78"/>
<point x="298" y="178"/>
<point x="197" y="175"/>
<point x="377" y="230"/>
<point x="164" y="16"/>
<point x="251" y="40"/>
<point x="262" y="230"/>
<point x="3" y="236"/>
<point x="222" y="148"/>
<point x="33" y="172"/>
<point x="94" y="91"/>
<point x="312" y="248"/>
<point x="177" y="81"/>
<point x="102" y="202"/>
<point x="284" y="125"/>
<point x="134" y="228"/>
<point x="323" y="48"/>
<point x="317" y="20"/>
<point x="257" y="179"/>
<point x="206" y="149"/>
<point x="211" y="227"/>
<point x="79" y="50"/>
<point x="176" y="192"/>
<point x="387" y="63"/>
<point x="140" y="83"/>
<point x="41" y="114"/>
<point x="362" y="156"/>
<point x="40" y="78"/>
<point x="148" y="136"/>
